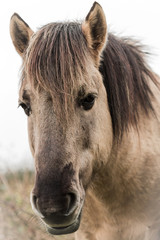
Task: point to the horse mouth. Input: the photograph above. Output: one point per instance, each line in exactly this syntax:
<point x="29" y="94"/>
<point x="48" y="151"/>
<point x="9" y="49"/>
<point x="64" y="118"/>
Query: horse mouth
<point x="65" y="229"/>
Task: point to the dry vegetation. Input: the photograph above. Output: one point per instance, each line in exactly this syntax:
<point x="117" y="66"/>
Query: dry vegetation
<point x="17" y="221"/>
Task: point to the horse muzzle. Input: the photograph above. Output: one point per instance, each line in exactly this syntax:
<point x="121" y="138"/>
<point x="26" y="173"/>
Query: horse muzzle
<point x="61" y="216"/>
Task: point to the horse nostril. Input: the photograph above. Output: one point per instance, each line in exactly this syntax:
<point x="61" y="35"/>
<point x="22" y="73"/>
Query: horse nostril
<point x="33" y="200"/>
<point x="71" y="202"/>
<point x="64" y="205"/>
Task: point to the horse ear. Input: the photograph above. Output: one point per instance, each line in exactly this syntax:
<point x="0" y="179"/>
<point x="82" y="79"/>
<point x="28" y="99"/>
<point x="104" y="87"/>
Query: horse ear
<point x="95" y="30"/>
<point x="20" y="33"/>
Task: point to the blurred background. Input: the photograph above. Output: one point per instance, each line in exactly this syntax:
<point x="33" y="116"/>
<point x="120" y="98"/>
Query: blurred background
<point x="139" y="19"/>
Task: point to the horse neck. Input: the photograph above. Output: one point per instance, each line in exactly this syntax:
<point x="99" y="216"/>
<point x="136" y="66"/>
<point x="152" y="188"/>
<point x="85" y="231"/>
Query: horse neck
<point x="133" y="160"/>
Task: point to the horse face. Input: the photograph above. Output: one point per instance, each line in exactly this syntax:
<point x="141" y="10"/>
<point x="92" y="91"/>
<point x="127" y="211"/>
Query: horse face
<point x="66" y="156"/>
<point x="66" y="153"/>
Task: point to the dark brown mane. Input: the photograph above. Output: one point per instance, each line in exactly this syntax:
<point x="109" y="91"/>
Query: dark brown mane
<point x="56" y="56"/>
<point x="126" y="78"/>
<point x="59" y="52"/>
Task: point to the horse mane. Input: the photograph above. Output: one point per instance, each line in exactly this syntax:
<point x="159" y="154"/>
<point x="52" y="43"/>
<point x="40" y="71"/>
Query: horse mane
<point x="56" y="56"/>
<point x="123" y="67"/>
<point x="127" y="78"/>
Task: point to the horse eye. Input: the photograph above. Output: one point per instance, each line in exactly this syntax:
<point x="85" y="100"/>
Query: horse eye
<point x="26" y="108"/>
<point x="88" y="102"/>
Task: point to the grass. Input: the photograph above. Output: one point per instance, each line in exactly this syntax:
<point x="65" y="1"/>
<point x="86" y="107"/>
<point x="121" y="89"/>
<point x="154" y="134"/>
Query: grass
<point x="17" y="221"/>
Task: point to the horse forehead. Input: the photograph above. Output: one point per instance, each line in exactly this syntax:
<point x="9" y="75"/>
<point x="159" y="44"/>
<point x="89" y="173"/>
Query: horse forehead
<point x="32" y="92"/>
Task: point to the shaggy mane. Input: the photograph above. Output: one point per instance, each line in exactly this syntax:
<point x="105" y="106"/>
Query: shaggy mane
<point x="127" y="80"/>
<point x="57" y="56"/>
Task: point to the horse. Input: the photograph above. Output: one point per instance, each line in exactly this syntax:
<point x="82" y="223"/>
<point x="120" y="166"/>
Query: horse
<point x="93" y="108"/>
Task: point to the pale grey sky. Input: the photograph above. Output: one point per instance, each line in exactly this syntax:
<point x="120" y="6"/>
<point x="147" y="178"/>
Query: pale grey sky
<point x="138" y="18"/>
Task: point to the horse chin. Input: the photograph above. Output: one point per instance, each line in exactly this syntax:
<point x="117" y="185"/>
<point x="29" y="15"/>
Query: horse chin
<point x="65" y="230"/>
